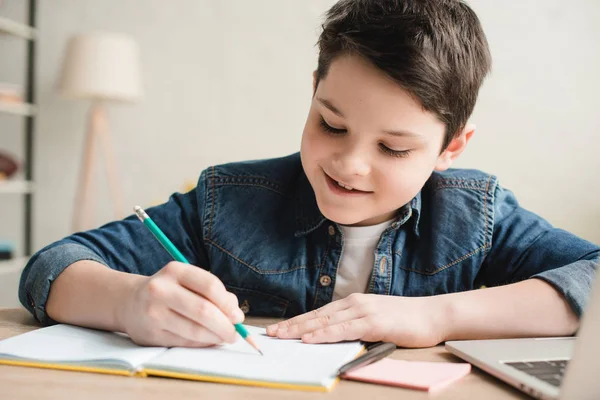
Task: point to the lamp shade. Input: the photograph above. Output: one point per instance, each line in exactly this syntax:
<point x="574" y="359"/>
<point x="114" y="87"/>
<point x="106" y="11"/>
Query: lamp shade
<point x="101" y="66"/>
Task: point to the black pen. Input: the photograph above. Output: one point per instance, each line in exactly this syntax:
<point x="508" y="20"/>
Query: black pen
<point x="375" y="353"/>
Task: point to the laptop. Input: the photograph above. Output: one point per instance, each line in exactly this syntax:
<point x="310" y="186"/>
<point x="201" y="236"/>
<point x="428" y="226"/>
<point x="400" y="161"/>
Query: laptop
<point x="545" y="368"/>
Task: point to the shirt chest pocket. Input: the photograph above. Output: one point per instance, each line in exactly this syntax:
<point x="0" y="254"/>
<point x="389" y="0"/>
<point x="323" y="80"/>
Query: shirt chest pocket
<point x="431" y="273"/>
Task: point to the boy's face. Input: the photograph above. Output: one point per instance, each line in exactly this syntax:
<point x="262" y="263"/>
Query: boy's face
<point x="367" y="133"/>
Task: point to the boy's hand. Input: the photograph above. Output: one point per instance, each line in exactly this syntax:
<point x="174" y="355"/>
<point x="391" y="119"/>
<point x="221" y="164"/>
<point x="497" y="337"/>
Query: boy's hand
<point x="406" y="321"/>
<point x="181" y="305"/>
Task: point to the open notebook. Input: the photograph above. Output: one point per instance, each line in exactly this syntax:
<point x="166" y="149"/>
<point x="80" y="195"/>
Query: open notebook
<point x="286" y="364"/>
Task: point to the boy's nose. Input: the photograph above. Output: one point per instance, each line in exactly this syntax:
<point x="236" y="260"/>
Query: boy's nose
<point x="352" y="164"/>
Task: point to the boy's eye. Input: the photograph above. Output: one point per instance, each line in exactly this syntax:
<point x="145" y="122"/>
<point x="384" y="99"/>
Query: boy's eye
<point x="336" y="131"/>
<point x="328" y="128"/>
<point x="394" y="153"/>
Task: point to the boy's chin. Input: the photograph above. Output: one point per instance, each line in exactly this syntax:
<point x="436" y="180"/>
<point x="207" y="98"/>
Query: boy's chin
<point x="342" y="218"/>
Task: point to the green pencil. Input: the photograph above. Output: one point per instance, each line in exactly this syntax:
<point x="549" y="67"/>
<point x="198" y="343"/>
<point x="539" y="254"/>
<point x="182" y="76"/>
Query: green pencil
<point x="176" y="254"/>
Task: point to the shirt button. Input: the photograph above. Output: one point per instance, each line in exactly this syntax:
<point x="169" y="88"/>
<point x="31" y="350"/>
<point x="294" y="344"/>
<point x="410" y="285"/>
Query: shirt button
<point x="245" y="307"/>
<point x="325" y="280"/>
<point x="331" y="230"/>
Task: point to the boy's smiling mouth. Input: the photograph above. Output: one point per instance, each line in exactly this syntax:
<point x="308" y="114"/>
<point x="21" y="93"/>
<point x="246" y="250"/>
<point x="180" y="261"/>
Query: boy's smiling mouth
<point x="340" y="188"/>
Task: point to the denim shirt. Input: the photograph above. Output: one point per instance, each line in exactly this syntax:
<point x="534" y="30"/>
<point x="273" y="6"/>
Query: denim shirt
<point x="257" y="227"/>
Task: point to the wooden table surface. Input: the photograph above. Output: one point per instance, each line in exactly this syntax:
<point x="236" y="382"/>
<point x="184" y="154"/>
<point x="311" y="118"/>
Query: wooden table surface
<point x="34" y="383"/>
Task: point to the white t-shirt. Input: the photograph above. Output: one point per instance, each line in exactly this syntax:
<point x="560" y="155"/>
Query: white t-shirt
<point x="358" y="258"/>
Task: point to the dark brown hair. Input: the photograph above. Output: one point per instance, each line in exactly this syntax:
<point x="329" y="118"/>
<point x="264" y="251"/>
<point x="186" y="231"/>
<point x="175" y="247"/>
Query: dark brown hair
<point x="434" y="49"/>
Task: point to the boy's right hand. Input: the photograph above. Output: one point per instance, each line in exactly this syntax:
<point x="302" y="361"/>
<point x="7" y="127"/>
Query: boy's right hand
<point x="181" y="305"/>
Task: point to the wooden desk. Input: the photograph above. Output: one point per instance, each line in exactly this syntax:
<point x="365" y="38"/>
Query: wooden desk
<point x="33" y="383"/>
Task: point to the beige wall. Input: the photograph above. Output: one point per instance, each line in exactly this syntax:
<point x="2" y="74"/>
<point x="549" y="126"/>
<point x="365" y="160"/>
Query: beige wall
<point x="538" y="119"/>
<point x="231" y="80"/>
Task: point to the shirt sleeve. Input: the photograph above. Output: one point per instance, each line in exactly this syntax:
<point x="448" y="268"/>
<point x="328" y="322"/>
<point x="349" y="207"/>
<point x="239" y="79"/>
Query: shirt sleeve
<point x="524" y="246"/>
<point x="125" y="245"/>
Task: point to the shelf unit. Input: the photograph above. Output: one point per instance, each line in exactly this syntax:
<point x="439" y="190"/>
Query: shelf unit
<point x="15" y="28"/>
<point x="26" y="186"/>
<point x="25" y="110"/>
<point x="16" y="187"/>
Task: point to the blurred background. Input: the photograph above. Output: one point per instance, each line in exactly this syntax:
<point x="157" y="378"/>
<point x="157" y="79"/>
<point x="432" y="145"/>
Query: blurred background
<point x="213" y="81"/>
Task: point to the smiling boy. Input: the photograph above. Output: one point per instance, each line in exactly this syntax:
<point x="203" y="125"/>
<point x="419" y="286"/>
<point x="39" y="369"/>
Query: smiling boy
<point x="366" y="234"/>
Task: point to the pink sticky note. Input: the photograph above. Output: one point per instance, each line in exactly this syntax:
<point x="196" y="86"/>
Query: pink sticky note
<point x="428" y="376"/>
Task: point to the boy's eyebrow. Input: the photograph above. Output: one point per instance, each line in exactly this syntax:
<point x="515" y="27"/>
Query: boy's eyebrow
<point x="403" y="134"/>
<point x="337" y="112"/>
<point x="327" y="104"/>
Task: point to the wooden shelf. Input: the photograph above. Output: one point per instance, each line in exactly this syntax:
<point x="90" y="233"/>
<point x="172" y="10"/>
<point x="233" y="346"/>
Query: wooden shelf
<point x="15" y="265"/>
<point x="18" y="109"/>
<point x="24" y="30"/>
<point x="15" y="28"/>
<point x="16" y="187"/>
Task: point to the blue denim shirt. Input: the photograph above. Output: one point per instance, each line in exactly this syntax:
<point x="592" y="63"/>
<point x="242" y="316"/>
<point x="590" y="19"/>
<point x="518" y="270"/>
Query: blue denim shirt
<point x="256" y="226"/>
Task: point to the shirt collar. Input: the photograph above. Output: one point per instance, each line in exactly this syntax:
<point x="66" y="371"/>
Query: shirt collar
<point x="309" y="218"/>
<point x="415" y="206"/>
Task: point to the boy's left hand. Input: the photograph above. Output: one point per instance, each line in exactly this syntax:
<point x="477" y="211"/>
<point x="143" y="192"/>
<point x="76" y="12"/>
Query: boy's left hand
<point x="406" y="321"/>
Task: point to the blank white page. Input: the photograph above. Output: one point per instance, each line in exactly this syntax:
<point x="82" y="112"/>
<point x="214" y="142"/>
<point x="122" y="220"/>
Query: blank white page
<point x="284" y="361"/>
<point x="71" y="344"/>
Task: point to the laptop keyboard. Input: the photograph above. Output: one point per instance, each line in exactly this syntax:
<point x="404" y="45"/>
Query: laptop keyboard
<point x="551" y="371"/>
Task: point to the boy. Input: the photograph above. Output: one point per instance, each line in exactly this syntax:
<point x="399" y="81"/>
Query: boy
<point x="366" y="234"/>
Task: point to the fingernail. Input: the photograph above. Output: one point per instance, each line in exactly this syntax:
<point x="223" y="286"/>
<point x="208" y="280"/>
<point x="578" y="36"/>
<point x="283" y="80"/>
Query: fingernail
<point x="272" y="328"/>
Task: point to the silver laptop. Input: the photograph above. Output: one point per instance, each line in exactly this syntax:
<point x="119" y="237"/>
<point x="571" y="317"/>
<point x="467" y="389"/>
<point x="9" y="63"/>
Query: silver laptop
<point x="545" y="368"/>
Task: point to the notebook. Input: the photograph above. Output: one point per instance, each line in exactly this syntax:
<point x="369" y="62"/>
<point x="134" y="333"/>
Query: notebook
<point x="288" y="364"/>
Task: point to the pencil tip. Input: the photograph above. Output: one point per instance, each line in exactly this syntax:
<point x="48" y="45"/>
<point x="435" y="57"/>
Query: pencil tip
<point x="253" y="344"/>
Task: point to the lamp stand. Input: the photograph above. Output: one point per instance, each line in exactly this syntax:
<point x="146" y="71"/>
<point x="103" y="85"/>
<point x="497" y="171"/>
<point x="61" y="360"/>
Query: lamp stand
<point x="97" y="131"/>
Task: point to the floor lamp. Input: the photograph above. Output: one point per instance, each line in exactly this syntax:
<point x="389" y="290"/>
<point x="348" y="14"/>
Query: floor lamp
<point x="100" y="68"/>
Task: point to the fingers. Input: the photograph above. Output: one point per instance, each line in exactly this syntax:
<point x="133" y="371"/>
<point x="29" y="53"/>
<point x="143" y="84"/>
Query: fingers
<point x="199" y="298"/>
<point x="321" y="313"/>
<point x="348" y="330"/>
<point x="165" y="338"/>
<point x="200" y="311"/>
<point x="346" y="319"/>
<point x="209" y="286"/>
<point x="170" y="339"/>
<point x="330" y="319"/>
<point x="188" y="329"/>
<point x="235" y="317"/>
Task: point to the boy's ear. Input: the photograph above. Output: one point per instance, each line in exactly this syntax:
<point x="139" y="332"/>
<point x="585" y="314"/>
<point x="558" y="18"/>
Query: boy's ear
<point x="455" y="148"/>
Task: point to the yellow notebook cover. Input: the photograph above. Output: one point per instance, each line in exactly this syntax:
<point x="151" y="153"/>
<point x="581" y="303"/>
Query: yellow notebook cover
<point x="287" y="364"/>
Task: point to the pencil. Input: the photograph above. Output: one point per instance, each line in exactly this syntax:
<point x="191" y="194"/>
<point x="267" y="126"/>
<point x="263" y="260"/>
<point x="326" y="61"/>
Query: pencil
<point x="374" y="353"/>
<point x="176" y="254"/>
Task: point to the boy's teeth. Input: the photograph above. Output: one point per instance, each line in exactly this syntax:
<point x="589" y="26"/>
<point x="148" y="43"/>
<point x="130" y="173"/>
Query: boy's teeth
<point x="344" y="186"/>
